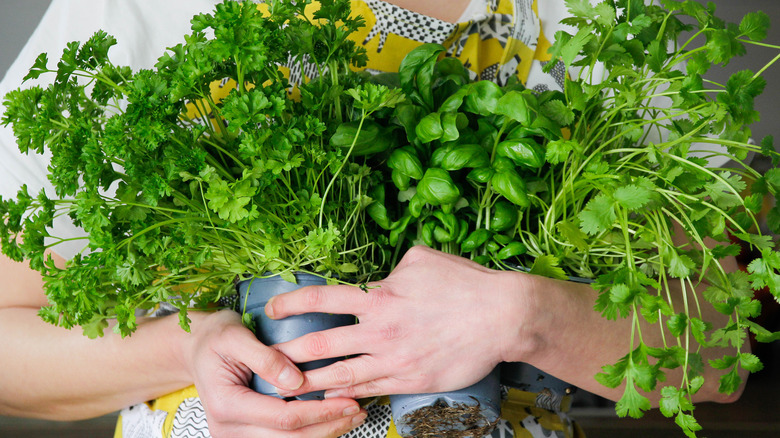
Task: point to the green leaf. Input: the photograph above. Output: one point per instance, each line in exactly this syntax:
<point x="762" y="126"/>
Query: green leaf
<point x="669" y="404"/>
<point x="581" y="8"/>
<point x="573" y="235"/>
<point x="95" y="327"/>
<point x="730" y="382"/>
<point x="558" y="151"/>
<point x="598" y="215"/>
<point x="514" y="106"/>
<point x="522" y="151"/>
<point x="39" y="67"/>
<point x="754" y="25"/>
<point x="680" y="265"/>
<point x="677" y="324"/>
<point x="288" y="276"/>
<point x="475" y="240"/>
<point x="557" y="111"/>
<point x="762" y="334"/>
<point x="572" y="48"/>
<point x="724" y="362"/>
<point x="416" y="72"/>
<point x="750" y="362"/>
<point x="546" y="265"/>
<point x="632" y="197"/>
<point x="688" y="424"/>
<point x="511" y="250"/>
<point x="622" y="294"/>
<point x="503" y="216"/>
<point x="483" y="98"/>
<point x="632" y="403"/>
<point x="405" y="161"/>
<point x="657" y="56"/>
<point x="371" y="138"/>
<point x="429" y="128"/>
<point x="450" y="126"/>
<point x="436" y="187"/>
<point x="511" y="186"/>
<point x="465" y="156"/>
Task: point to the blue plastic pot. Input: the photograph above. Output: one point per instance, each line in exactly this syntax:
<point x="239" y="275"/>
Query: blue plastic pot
<point x="486" y="394"/>
<point x="253" y="296"/>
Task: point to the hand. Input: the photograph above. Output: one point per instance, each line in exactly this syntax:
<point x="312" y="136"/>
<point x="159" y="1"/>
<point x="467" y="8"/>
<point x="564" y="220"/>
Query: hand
<point x="223" y="354"/>
<point x="432" y="325"/>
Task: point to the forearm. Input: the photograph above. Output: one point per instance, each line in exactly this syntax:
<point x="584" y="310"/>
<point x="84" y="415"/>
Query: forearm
<point x="53" y="373"/>
<point x="567" y="338"/>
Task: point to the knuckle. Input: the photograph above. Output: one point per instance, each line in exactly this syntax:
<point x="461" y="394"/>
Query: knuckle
<point x="372" y="388"/>
<point x="417" y="253"/>
<point x="267" y="362"/>
<point x="343" y="375"/>
<point x="390" y="332"/>
<point x="317" y="344"/>
<point x="378" y="298"/>
<point x="314" y="298"/>
<point x="288" y="421"/>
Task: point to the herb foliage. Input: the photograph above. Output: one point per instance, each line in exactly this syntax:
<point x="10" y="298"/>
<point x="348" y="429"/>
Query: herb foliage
<point x="181" y="193"/>
<point x="601" y="181"/>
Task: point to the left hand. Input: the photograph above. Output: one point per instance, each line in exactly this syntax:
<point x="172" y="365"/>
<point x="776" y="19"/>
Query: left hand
<point x="432" y="325"/>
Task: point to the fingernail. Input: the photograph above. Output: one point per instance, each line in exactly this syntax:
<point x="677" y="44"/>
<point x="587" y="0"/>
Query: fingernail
<point x="290" y="378"/>
<point x="269" y="308"/>
<point x="350" y="411"/>
<point x="357" y="420"/>
<point x="333" y="394"/>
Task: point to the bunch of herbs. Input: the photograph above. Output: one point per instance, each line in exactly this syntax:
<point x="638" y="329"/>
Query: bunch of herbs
<point x="181" y="193"/>
<point x="602" y="181"/>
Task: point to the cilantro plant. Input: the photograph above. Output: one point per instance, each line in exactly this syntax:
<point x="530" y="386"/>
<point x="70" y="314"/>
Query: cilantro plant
<point x="181" y="193"/>
<point x="601" y="181"/>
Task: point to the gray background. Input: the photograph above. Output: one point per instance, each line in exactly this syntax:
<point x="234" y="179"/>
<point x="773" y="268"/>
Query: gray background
<point x="755" y="415"/>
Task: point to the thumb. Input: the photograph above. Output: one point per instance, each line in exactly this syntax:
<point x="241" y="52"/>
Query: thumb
<point x="269" y="363"/>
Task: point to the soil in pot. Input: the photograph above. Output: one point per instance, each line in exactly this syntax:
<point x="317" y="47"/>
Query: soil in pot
<point x="473" y="411"/>
<point x="441" y="420"/>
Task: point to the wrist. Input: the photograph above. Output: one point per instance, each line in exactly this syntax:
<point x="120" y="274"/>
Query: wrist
<point x="183" y="344"/>
<point x="525" y="323"/>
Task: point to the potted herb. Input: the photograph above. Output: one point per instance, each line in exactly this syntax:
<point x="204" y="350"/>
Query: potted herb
<point x="184" y="193"/>
<point x="601" y="182"/>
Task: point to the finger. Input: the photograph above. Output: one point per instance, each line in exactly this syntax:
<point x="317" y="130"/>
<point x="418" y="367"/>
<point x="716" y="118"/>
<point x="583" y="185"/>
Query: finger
<point x="268" y="363"/>
<point x="342" y="374"/>
<point x="337" y="299"/>
<point x="372" y="388"/>
<point x="332" y="343"/>
<point x="330" y="429"/>
<point x="251" y="408"/>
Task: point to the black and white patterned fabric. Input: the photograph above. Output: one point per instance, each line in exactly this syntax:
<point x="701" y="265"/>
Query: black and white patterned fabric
<point x="190" y="420"/>
<point x="407" y="24"/>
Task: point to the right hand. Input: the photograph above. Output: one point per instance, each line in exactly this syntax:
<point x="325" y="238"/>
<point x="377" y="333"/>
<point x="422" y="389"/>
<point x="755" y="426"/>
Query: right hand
<point x="221" y="356"/>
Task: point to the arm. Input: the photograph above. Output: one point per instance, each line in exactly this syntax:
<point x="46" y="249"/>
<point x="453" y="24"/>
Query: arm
<point x="441" y="322"/>
<point x="53" y="373"/>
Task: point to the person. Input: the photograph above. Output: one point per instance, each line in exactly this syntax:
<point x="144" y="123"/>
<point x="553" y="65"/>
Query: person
<point x="406" y="341"/>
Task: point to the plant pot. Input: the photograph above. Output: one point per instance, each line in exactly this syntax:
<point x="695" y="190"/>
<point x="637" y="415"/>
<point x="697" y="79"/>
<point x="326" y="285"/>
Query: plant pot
<point x="254" y="294"/>
<point x="476" y="407"/>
